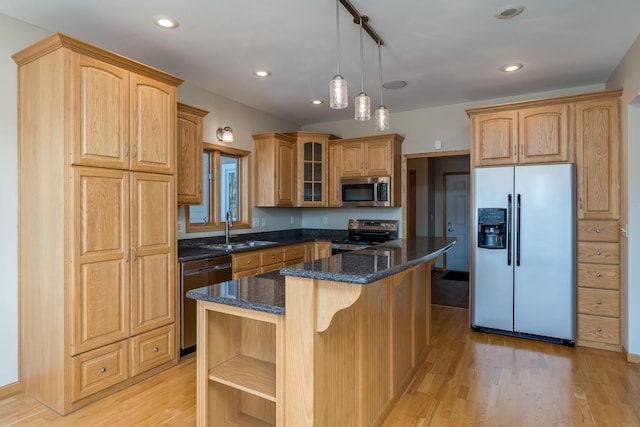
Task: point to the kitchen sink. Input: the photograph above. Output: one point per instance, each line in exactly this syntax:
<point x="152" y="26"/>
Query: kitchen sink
<point x="238" y="245"/>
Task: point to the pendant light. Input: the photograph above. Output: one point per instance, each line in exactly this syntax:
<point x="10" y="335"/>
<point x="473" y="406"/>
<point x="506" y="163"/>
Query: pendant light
<point x="338" y="96"/>
<point x="363" y="102"/>
<point x="382" y="112"/>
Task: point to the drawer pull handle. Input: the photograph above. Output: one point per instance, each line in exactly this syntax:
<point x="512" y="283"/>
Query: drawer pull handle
<point x="598" y="253"/>
<point x="155" y="349"/>
<point x="598" y="275"/>
<point x="598" y="230"/>
<point x="599" y="302"/>
<point x="249" y="262"/>
<point x="103" y="370"/>
<point x="598" y="329"/>
<point x="273" y="257"/>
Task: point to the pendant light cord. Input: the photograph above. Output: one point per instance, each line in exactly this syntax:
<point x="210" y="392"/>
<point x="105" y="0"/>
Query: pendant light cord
<point x="361" y="59"/>
<point x="380" y="70"/>
<point x="337" y="37"/>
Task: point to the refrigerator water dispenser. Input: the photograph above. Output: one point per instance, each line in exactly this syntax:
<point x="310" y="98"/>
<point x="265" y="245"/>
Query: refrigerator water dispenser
<point x="492" y="228"/>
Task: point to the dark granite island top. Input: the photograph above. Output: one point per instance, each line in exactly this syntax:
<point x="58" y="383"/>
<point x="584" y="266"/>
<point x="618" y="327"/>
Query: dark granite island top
<point x="266" y="292"/>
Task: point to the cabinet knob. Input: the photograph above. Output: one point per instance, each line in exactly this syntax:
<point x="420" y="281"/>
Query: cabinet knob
<point x="598" y="329"/>
<point x="598" y="275"/>
<point x="599" y="302"/>
<point x="249" y="262"/>
<point x="103" y="370"/>
<point x="598" y="253"/>
<point x="598" y="230"/>
<point x="155" y="349"/>
<point x="273" y="257"/>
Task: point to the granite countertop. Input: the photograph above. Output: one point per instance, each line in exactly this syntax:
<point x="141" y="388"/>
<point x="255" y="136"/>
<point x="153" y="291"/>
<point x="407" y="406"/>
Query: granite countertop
<point x="190" y="249"/>
<point x="266" y="292"/>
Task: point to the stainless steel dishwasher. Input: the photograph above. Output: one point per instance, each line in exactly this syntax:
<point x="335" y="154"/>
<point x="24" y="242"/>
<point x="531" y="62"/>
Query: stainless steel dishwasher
<point x="193" y="275"/>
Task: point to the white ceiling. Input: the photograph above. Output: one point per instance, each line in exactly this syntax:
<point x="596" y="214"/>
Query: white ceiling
<point x="449" y="51"/>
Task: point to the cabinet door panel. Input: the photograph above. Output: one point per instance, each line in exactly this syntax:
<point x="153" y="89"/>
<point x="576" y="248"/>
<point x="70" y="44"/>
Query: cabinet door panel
<point x="153" y="117"/>
<point x="544" y="134"/>
<point x="598" y="159"/>
<point x="153" y="255"/>
<point x="335" y="172"/>
<point x="189" y="164"/>
<point x="379" y="159"/>
<point x="352" y="159"/>
<point x="101" y="285"/>
<point x="102" y="114"/>
<point x="286" y="174"/>
<point x="495" y="136"/>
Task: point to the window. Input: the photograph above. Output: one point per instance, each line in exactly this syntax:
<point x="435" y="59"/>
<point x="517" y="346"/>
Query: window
<point x="225" y="188"/>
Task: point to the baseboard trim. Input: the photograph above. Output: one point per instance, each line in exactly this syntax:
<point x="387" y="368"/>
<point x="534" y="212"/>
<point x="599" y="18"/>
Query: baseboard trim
<point x="10" y="389"/>
<point x="632" y="358"/>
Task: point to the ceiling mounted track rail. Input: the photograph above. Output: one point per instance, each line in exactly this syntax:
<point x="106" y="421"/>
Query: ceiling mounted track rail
<point x="365" y="21"/>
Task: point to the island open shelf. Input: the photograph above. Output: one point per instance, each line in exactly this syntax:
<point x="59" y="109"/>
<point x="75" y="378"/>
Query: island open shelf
<point x="240" y="358"/>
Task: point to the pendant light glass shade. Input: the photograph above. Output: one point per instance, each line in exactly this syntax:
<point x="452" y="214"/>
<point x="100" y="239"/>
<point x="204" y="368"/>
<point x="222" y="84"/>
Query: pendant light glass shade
<point x="363" y="107"/>
<point x="363" y="102"/>
<point x="382" y="118"/>
<point x="382" y="112"/>
<point x="338" y="96"/>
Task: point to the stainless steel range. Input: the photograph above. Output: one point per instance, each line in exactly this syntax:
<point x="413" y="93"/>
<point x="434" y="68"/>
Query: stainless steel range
<point x="364" y="233"/>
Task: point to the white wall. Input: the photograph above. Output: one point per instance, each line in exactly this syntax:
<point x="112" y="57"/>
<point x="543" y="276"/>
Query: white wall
<point x="14" y="35"/>
<point x="627" y="76"/>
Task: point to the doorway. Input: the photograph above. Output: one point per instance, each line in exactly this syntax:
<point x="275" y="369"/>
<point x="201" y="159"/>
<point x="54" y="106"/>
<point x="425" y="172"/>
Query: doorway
<point x="457" y="209"/>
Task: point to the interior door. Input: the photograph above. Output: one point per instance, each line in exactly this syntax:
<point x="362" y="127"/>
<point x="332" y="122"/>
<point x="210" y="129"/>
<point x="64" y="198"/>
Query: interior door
<point x="457" y="195"/>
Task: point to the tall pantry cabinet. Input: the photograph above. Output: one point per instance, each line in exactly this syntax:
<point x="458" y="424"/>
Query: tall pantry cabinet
<point x="97" y="243"/>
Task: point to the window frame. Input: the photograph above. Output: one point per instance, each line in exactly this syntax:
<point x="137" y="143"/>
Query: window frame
<point x="217" y="222"/>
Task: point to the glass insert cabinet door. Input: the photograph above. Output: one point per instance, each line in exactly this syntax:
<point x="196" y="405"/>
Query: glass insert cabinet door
<point x="313" y="171"/>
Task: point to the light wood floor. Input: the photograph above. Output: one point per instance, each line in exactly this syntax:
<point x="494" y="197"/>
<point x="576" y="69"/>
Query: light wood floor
<point x="468" y="379"/>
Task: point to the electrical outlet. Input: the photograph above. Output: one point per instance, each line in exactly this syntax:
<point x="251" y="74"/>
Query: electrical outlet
<point x="179" y="227"/>
<point x="292" y="220"/>
<point x="324" y="219"/>
<point x="256" y="222"/>
<point x="264" y="222"/>
<point x="438" y="144"/>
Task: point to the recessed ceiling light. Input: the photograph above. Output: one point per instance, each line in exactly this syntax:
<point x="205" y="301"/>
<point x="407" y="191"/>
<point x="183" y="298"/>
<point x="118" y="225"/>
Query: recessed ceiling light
<point x="262" y="73"/>
<point x="510" y="68"/>
<point x="509" y="11"/>
<point x="317" y="102"/>
<point x="165" y="22"/>
<point x="394" y="84"/>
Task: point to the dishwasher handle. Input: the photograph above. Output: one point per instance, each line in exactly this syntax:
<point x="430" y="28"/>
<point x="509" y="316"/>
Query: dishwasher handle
<point x="207" y="269"/>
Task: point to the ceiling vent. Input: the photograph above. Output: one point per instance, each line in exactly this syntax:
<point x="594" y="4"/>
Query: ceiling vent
<point x="508" y="12"/>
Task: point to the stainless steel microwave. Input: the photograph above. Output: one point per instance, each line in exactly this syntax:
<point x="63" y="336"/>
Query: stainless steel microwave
<point x="366" y="191"/>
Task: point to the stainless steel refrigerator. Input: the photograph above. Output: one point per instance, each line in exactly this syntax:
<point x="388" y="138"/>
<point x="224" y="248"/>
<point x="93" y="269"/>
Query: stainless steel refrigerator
<point x="524" y="251"/>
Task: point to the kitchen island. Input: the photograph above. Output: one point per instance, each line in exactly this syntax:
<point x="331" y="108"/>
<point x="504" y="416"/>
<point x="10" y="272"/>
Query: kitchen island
<point x="330" y="342"/>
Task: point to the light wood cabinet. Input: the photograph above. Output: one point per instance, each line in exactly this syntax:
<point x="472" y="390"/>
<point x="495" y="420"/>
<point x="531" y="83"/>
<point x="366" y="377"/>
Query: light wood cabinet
<point x="312" y="168"/>
<point x="598" y="277"/>
<point x="97" y="212"/>
<point x="124" y="120"/>
<point x="275" y="170"/>
<point x="374" y="156"/>
<point x="521" y="136"/>
<point x="335" y="172"/>
<point x="598" y="158"/>
<point x="189" y="145"/>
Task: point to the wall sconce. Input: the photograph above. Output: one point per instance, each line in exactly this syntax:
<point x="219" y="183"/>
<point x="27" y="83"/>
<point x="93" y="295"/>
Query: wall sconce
<point x="225" y="134"/>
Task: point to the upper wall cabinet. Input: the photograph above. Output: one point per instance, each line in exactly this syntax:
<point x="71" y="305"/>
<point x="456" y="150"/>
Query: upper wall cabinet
<point x="598" y="158"/>
<point x="312" y="167"/>
<point x="124" y="119"/>
<point x="189" y="154"/>
<point x="275" y="170"/>
<point x="520" y="136"/>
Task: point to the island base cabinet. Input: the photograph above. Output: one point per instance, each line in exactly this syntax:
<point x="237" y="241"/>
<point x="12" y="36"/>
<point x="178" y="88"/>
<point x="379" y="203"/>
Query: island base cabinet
<point x="239" y="367"/>
<point x="352" y="349"/>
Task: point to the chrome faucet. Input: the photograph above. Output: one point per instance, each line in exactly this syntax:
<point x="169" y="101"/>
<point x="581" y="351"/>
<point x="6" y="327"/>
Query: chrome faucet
<point x="228" y="223"/>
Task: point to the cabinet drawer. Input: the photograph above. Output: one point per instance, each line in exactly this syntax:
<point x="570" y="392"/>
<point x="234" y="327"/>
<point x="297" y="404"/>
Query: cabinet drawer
<point x="152" y="349"/>
<point x="600" y="329"/>
<point x="99" y="369"/>
<point x="294" y="252"/>
<point x="598" y="231"/>
<point x="271" y="257"/>
<point x="599" y="252"/>
<point x="248" y="261"/>
<point x="599" y="276"/>
<point x="602" y="302"/>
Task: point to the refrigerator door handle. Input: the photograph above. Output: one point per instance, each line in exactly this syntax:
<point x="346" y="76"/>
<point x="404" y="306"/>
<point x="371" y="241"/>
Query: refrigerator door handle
<point x="509" y="208"/>
<point x="518" y="231"/>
